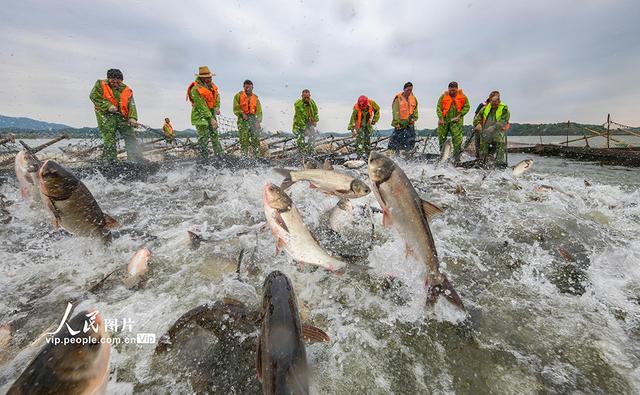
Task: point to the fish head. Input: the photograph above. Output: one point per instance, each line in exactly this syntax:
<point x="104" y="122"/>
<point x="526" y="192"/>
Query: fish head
<point x="359" y="188"/>
<point x="56" y="182"/>
<point x="139" y="264"/>
<point x="74" y="356"/>
<point x="276" y="198"/>
<point x="528" y="162"/>
<point x="277" y="292"/>
<point x="380" y="167"/>
<point x="283" y="362"/>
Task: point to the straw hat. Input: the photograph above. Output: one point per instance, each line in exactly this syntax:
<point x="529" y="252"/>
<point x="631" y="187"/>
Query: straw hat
<point x="203" y="71"/>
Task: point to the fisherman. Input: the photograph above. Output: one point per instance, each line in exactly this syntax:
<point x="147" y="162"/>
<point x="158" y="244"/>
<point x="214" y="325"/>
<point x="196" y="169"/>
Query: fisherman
<point x="305" y="120"/>
<point x="366" y="113"/>
<point x="116" y="113"/>
<point x="205" y="108"/>
<point x="247" y="108"/>
<point x="491" y="124"/>
<point x="476" y="136"/>
<point x="167" y="131"/>
<point x="405" y="115"/>
<point x="452" y="107"/>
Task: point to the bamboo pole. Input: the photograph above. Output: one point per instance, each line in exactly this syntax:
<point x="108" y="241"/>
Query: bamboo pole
<point x="38" y="148"/>
<point x="9" y="139"/>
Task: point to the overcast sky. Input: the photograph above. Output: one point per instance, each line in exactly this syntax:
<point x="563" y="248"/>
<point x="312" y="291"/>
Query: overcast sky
<point x="553" y="61"/>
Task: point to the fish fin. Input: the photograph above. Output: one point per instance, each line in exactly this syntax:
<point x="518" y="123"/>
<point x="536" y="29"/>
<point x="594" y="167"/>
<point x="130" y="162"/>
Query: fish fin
<point x="55" y="221"/>
<point x="280" y="221"/>
<point x="205" y="196"/>
<point x="430" y="209"/>
<point x="314" y="334"/>
<point x="287" y="182"/>
<point x="280" y="244"/>
<point x="194" y="239"/>
<point x="386" y="218"/>
<point x="239" y="264"/>
<point x="110" y="222"/>
<point x="564" y="254"/>
<point x="342" y="192"/>
<point x="345" y="204"/>
<point x="445" y="288"/>
<point x="313" y="186"/>
<point x="259" y="359"/>
<point x="232" y="302"/>
<point x="327" y="165"/>
<point x="99" y="284"/>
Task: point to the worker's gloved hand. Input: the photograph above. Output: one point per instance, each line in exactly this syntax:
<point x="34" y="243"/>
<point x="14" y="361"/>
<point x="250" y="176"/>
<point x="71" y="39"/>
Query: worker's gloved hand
<point x="213" y="123"/>
<point x="245" y="116"/>
<point x="397" y="127"/>
<point x="217" y="111"/>
<point x="456" y="119"/>
<point x="113" y="109"/>
<point x="478" y="128"/>
<point x="133" y="123"/>
<point x="353" y="133"/>
<point x="440" y="121"/>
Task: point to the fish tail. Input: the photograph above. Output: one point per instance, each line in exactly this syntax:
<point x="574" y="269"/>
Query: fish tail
<point x="194" y="240"/>
<point x="445" y="288"/>
<point x="287" y="182"/>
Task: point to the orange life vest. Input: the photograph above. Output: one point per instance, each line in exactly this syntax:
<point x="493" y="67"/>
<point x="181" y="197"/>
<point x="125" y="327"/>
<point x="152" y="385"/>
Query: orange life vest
<point x="210" y="96"/>
<point x="248" y="105"/>
<point x="406" y="107"/>
<point x="168" y="129"/>
<point x="125" y="97"/>
<point x="447" y="100"/>
<point x="359" y="110"/>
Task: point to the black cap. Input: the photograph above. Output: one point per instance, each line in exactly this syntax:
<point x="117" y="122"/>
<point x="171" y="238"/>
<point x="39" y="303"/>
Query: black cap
<point x="248" y="82"/>
<point x="453" y="84"/>
<point x="408" y="84"/>
<point x="115" y="74"/>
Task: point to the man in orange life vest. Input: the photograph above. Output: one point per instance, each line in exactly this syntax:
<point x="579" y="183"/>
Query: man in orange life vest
<point x="247" y="108"/>
<point x="452" y="106"/>
<point x="167" y="131"/>
<point x="366" y="113"/>
<point x="405" y="115"/>
<point x="116" y="113"/>
<point x="205" y="107"/>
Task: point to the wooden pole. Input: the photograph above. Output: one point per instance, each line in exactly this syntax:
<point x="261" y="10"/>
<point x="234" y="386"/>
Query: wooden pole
<point x="568" y="124"/>
<point x="608" y="129"/>
<point x="37" y="149"/>
<point x="9" y="139"/>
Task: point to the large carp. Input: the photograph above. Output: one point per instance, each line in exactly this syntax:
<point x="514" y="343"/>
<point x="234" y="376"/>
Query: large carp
<point x="407" y="213"/>
<point x="69" y="363"/>
<point x="292" y="234"/>
<point x="71" y="204"/>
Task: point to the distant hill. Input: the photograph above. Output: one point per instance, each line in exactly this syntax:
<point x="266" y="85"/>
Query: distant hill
<point x="28" y="123"/>
<point x="31" y="128"/>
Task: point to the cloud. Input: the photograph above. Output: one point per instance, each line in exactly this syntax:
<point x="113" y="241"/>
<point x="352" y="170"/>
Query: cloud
<point x="552" y="60"/>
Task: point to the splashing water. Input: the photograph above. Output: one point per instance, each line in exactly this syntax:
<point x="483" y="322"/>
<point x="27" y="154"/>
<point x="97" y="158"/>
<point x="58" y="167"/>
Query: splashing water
<point x="536" y="321"/>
